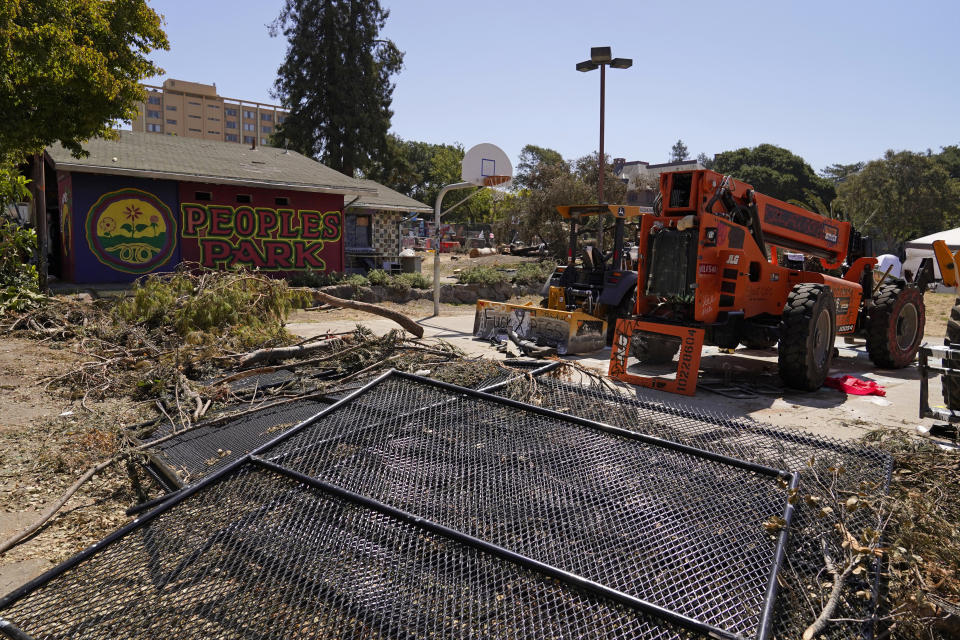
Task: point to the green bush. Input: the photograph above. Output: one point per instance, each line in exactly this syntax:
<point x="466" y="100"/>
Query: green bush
<point x="378" y="277"/>
<point x="311" y="278"/>
<point x="533" y="273"/>
<point x="416" y="280"/>
<point x="19" y="284"/>
<point x="487" y="276"/>
<point x="356" y="281"/>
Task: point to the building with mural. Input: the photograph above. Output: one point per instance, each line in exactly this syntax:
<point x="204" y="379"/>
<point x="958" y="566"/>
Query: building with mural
<point x="146" y="203"/>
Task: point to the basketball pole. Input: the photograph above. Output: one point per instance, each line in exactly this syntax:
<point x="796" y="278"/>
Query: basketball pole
<point x="436" y="239"/>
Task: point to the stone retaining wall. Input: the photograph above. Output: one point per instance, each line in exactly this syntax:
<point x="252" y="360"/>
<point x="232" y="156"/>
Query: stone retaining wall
<point x="451" y="293"/>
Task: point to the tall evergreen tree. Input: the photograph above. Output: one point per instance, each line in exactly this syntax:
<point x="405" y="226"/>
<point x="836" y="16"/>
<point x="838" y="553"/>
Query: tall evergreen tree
<point x="335" y="81"/>
<point x="679" y="152"/>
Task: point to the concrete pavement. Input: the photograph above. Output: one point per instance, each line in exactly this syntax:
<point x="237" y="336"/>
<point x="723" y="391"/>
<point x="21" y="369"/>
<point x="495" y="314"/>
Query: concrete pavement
<point x="825" y="411"/>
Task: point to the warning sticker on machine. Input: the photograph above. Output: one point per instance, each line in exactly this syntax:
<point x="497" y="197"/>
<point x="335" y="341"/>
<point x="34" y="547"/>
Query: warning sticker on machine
<point x="777" y="217"/>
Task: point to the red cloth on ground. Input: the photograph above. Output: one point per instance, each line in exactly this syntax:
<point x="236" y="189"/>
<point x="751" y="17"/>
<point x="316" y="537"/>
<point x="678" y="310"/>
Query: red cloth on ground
<point x="855" y="386"/>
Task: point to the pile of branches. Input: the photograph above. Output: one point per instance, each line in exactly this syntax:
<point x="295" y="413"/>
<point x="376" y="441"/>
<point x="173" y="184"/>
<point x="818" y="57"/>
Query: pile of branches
<point x="922" y="540"/>
<point x="181" y="342"/>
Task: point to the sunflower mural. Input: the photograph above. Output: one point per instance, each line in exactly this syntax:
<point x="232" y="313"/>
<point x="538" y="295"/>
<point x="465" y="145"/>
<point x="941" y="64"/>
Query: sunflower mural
<point x="131" y="231"/>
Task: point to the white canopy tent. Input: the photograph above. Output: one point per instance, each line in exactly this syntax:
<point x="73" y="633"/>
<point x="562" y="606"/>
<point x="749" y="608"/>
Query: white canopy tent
<point x="921" y="248"/>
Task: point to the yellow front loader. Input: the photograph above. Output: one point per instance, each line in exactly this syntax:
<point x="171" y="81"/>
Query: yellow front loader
<point x="583" y="298"/>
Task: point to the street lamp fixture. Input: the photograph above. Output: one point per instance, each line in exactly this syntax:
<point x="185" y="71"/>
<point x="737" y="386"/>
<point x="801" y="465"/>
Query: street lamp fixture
<point x="601" y="57"/>
<point x="600" y="54"/>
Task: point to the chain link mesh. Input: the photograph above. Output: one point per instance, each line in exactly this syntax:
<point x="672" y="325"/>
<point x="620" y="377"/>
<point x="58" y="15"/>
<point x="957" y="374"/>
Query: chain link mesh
<point x="253" y="554"/>
<point x="865" y="471"/>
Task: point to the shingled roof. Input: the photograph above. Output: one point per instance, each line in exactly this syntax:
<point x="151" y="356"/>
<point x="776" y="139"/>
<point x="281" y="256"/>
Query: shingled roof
<point x="387" y="199"/>
<point x="150" y="155"/>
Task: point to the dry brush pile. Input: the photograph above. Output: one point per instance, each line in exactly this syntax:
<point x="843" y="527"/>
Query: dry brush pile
<point x="167" y="353"/>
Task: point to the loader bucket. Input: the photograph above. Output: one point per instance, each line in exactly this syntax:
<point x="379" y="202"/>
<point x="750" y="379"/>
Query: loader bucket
<point x="569" y="331"/>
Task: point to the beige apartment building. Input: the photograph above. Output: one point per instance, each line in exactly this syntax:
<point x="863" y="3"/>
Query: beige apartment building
<point x="194" y="110"/>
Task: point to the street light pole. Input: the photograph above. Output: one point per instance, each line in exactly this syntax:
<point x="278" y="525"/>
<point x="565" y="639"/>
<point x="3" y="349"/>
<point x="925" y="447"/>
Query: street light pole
<point x="601" y="57"/>
<point x="603" y="91"/>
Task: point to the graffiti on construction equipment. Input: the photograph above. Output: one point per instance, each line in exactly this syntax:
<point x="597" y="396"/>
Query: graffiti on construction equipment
<point x="259" y="237"/>
<point x="131" y="231"/>
<point x="813" y="228"/>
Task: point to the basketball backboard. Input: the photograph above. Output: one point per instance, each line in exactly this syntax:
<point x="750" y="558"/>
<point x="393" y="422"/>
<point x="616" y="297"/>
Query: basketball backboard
<point x="486" y="165"/>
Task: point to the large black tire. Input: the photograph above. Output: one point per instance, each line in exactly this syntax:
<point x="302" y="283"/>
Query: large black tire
<point x="807" y="329"/>
<point x="895" y="326"/>
<point x="950" y="384"/>
<point x="622" y="310"/>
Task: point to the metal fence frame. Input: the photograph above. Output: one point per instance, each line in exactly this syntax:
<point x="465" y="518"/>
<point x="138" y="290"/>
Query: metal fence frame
<point x="579" y="583"/>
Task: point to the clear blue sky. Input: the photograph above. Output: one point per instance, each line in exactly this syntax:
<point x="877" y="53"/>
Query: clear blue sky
<point x="838" y="81"/>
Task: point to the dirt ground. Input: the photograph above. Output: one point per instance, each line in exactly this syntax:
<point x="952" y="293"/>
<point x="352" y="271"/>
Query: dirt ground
<point x="450" y="262"/>
<point x="43" y="449"/>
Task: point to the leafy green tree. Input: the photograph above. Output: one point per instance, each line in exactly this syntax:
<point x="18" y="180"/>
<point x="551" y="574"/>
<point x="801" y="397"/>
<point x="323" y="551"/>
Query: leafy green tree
<point x="679" y="152"/>
<point x="776" y="172"/>
<point x="705" y="161"/>
<point x="901" y="196"/>
<point x="949" y="159"/>
<point x="71" y="68"/>
<point x="336" y="81"/>
<point x="536" y="166"/>
<point x="837" y="173"/>
<point x="551" y="181"/>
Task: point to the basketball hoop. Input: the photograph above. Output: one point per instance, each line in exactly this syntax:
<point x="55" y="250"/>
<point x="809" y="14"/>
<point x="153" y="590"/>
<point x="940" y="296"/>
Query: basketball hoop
<point x="484" y="165"/>
<point x="493" y="181"/>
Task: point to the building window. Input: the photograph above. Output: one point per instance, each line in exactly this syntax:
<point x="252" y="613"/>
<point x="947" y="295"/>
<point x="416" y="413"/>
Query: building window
<point x="153" y="113"/>
<point x="169" y="121"/>
<point x="205" y="196"/>
<point x="280" y="119"/>
<point x="248" y="139"/>
<point x="153" y="99"/>
<point x="249" y="126"/>
<point x="249" y="114"/>
<point x="156" y="128"/>
<point x="171" y="107"/>
<point x="358" y="231"/>
<point x="230" y="137"/>
<point x="266" y="128"/>
<point x="229" y="111"/>
<point x="231" y="125"/>
<point x="266" y="117"/>
<point x="216" y="133"/>
<point x="244" y="198"/>
<point x="264" y="141"/>
<point x="194" y="130"/>
<point x="193" y="116"/>
<point x="212" y="119"/>
<point x="282" y="202"/>
<point x="196" y="104"/>
<point x="213" y="106"/>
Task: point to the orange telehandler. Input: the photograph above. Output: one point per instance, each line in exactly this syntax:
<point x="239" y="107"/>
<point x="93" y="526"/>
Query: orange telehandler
<point x="711" y="269"/>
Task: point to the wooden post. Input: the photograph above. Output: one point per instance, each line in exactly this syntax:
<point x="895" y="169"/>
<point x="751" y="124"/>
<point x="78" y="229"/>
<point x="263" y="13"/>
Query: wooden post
<point x="40" y="219"/>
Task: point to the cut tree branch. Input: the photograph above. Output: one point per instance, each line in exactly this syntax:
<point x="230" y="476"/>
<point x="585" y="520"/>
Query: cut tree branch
<point x="399" y="318"/>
